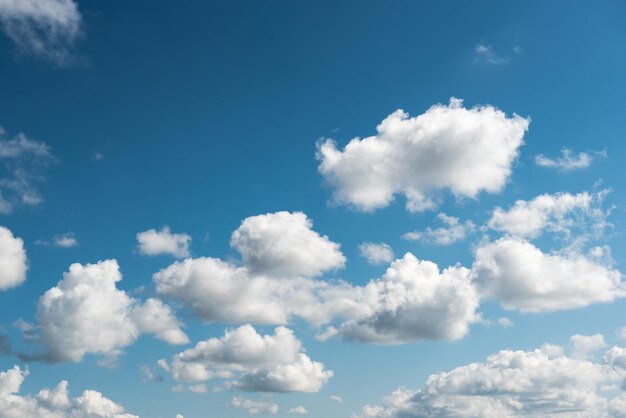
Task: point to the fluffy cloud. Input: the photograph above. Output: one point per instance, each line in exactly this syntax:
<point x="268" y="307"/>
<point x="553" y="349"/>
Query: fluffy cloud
<point x="43" y="28"/>
<point x="52" y="403"/>
<point x="539" y="383"/>
<point x="24" y="162"/>
<point x="454" y="231"/>
<point x="86" y="313"/>
<point x="583" y="345"/>
<point x="153" y="242"/>
<point x="261" y="363"/>
<point x="466" y="151"/>
<point x="522" y="277"/>
<point x="254" y="407"/>
<point x="560" y="212"/>
<point x="13" y="262"/>
<point x="568" y="161"/>
<point x="376" y="253"/>
<point x="298" y="410"/>
<point x="282" y="244"/>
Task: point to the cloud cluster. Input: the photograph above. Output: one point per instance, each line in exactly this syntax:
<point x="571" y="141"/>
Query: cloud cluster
<point x="23" y="162"/>
<point x="13" y="261"/>
<point x="568" y="160"/>
<point x="376" y="253"/>
<point x="153" y="242"/>
<point x="454" y="231"/>
<point x="46" y="29"/>
<point x="449" y="147"/>
<point x="540" y="383"/>
<point x="86" y="313"/>
<point x="52" y="403"/>
<point x="252" y="362"/>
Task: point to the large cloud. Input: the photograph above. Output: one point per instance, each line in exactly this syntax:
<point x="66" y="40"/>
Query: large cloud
<point x="266" y="363"/>
<point x="522" y="277"/>
<point x="448" y="147"/>
<point x="282" y="244"/>
<point x="43" y="28"/>
<point x="538" y="383"/>
<point x="13" y="262"/>
<point x="52" y="403"/>
<point x="86" y="313"/>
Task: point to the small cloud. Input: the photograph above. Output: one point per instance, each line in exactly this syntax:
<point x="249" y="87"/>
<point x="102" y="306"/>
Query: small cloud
<point x="454" y="231"/>
<point x="327" y="334"/>
<point x="299" y="410"/>
<point x="254" y="407"/>
<point x="376" y="253"/>
<point x="149" y="374"/>
<point x="153" y="242"/>
<point x="336" y="398"/>
<point x="67" y="240"/>
<point x="569" y="161"/>
<point x="97" y="156"/>
<point x="484" y="53"/>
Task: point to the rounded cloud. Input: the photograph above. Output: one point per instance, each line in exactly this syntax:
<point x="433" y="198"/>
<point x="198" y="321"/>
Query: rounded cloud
<point x="13" y="262"/>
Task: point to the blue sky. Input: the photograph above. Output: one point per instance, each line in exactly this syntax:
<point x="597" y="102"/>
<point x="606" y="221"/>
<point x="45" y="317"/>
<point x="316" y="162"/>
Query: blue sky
<point x="202" y="146"/>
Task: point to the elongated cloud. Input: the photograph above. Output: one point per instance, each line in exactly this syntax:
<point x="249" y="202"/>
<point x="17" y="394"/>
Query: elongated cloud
<point x="13" y="261"/>
<point x="53" y="403"/>
<point x="453" y="231"/>
<point x="449" y="147"/>
<point x="153" y="242"/>
<point x="568" y="160"/>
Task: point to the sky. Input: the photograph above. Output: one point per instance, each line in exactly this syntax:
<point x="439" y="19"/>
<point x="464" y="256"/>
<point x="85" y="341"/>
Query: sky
<point x="335" y="209"/>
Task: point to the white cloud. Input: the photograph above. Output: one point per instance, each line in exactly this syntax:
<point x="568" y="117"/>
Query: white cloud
<point x="67" y="240"/>
<point x="52" y="403"/>
<point x="282" y="244"/>
<point x="254" y="407"/>
<point x="454" y="231"/>
<point x="560" y="213"/>
<point x="13" y="261"/>
<point x="24" y="162"/>
<point x="153" y="242"/>
<point x="376" y="253"/>
<point x="85" y="313"/>
<point x="568" y="161"/>
<point x="298" y="410"/>
<point x="47" y="29"/>
<point x="485" y="54"/>
<point x="252" y="362"/>
<point x="466" y="151"/>
<point x="336" y="398"/>
<point x="522" y="277"/>
<point x="540" y="383"/>
<point x="583" y="345"/>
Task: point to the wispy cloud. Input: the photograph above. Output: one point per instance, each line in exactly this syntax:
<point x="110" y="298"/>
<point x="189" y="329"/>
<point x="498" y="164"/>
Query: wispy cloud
<point x="568" y="160"/>
<point x="484" y="53"/>
<point x="66" y="240"/>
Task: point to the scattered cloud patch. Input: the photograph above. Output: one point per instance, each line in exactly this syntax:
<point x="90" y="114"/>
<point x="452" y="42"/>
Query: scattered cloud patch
<point x="67" y="240"/>
<point x="261" y="407"/>
<point x="298" y="410"/>
<point x="454" y="231"/>
<point x="13" y="261"/>
<point x="449" y="147"/>
<point x="53" y="403"/>
<point x="569" y="161"/>
<point x="336" y="398"/>
<point x="47" y="29"/>
<point x="153" y="242"/>
<point x="583" y="345"/>
<point x="376" y="253"/>
<point x="485" y="54"/>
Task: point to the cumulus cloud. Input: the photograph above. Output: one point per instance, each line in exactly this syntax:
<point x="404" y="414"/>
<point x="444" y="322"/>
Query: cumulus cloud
<point x="24" y="162"/>
<point x="560" y="213"/>
<point x="583" y="345"/>
<point x="298" y="410"/>
<point x="153" y="242"/>
<point x="568" y="160"/>
<point x="282" y="244"/>
<point x="13" y="261"/>
<point x="252" y="362"/>
<point x="376" y="253"/>
<point x="540" y="383"/>
<point x="67" y="240"/>
<point x="52" y="403"/>
<point x="254" y="407"/>
<point x="86" y="313"/>
<point x="449" y="147"/>
<point x="46" y="29"/>
<point x="454" y="231"/>
<point x="522" y="277"/>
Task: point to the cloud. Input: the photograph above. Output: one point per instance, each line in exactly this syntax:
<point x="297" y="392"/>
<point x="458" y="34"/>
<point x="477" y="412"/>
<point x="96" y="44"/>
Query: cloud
<point x="85" y="313"/>
<point x="153" y="242"/>
<point x="336" y="398"/>
<point x="454" y="231"/>
<point x="13" y="261"/>
<point x="254" y="407"/>
<point x="52" y="403"/>
<point x="485" y="54"/>
<point x="282" y="244"/>
<point x="560" y="213"/>
<point x="524" y="278"/>
<point x="257" y="363"/>
<point x="583" y="345"/>
<point x="45" y="29"/>
<point x="298" y="410"/>
<point x="449" y="147"/>
<point x="540" y="383"/>
<point x="376" y="253"/>
<point x="67" y="240"/>
<point x="24" y="162"/>
<point x="568" y="160"/>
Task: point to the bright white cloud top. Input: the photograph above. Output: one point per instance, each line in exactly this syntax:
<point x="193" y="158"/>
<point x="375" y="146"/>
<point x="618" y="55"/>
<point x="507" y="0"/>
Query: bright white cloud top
<point x="449" y="147"/>
<point x="153" y="242"/>
<point x="13" y="261"/>
<point x="376" y="253"/>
